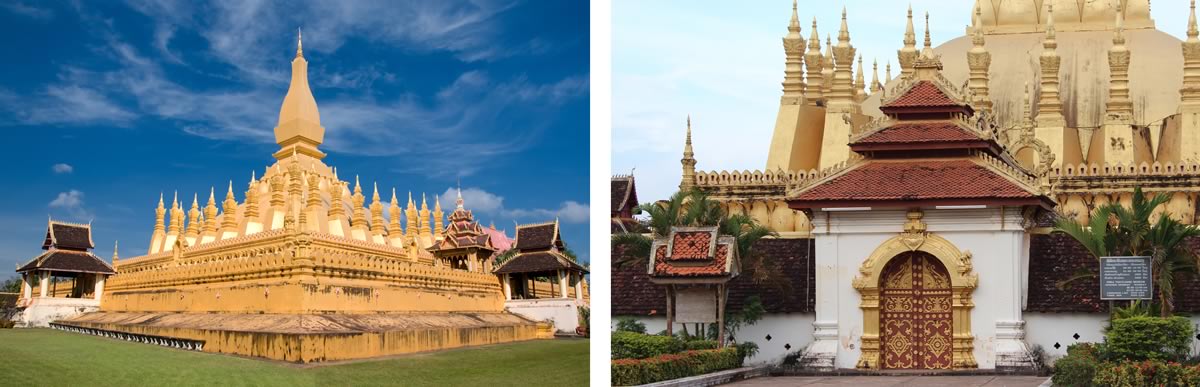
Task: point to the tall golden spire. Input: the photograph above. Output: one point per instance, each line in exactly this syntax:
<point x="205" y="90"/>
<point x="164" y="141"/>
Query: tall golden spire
<point x="1190" y="92"/>
<point x="411" y="229"/>
<point x="376" y="212"/>
<point x="812" y="88"/>
<point x="1119" y="108"/>
<point x="888" y="75"/>
<point x="860" y="83"/>
<point x="438" y="215"/>
<point x="176" y="216"/>
<point x="192" y="229"/>
<point x="423" y="222"/>
<point x="843" y="55"/>
<point x="159" y="226"/>
<point x="358" y="218"/>
<point x="210" y="212"/>
<point x="116" y="256"/>
<point x="827" y="68"/>
<point x="251" y="212"/>
<point x="908" y="55"/>
<point x="793" y="50"/>
<point x="229" y="211"/>
<point x="875" y="85"/>
<point x="979" y="61"/>
<point x="394" y="230"/>
<point x="688" y="161"/>
<point x="1049" y="106"/>
<point x="299" y="128"/>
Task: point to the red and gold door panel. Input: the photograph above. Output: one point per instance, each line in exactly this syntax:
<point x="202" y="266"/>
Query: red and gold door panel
<point x="915" y="323"/>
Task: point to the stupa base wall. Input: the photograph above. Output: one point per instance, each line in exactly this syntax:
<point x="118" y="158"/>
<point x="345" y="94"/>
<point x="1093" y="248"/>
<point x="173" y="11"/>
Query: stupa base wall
<point x="307" y="338"/>
<point x="294" y="297"/>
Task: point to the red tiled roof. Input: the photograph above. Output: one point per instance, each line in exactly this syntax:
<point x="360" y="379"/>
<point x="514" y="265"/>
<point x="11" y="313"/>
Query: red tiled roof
<point x="923" y="94"/>
<point x="663" y="268"/>
<point x="919" y="132"/>
<point x="690" y="245"/>
<point x="915" y="180"/>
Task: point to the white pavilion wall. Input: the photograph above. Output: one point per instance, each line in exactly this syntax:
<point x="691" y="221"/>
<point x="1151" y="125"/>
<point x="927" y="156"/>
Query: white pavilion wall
<point x="1046" y="329"/>
<point x="994" y="236"/>
<point x="792" y="330"/>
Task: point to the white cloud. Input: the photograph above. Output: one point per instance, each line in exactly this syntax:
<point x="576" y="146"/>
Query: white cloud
<point x="71" y="202"/>
<point x="480" y="201"/>
<point x="27" y="10"/>
<point x="63" y="168"/>
<point x="475" y="114"/>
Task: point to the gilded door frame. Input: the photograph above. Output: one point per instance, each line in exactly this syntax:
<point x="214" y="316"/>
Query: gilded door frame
<point x="963" y="281"/>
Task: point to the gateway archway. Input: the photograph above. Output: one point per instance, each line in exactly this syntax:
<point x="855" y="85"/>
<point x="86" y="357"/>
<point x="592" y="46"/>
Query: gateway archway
<point x="915" y="320"/>
<point x="955" y="264"/>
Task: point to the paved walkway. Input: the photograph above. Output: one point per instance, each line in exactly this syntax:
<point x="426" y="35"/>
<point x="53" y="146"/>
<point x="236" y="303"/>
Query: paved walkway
<point x="880" y="381"/>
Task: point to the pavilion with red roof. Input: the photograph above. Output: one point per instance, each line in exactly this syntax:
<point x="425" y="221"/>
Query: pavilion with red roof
<point x="930" y="198"/>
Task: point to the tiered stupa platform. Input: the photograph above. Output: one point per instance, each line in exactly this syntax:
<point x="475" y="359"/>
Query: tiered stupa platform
<point x="306" y="338"/>
<point x="302" y="270"/>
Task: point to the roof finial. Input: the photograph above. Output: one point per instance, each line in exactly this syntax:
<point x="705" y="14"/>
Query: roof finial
<point x="1192" y="31"/>
<point x="910" y="37"/>
<point x="687" y="143"/>
<point x="160" y="199"/>
<point x="1119" y="34"/>
<point x="299" y="43"/>
<point x="875" y="85"/>
<point x="794" y="25"/>
<point x="116" y="247"/>
<point x="1050" y="33"/>
<point x="459" y="202"/>
<point x="928" y="42"/>
<point x="844" y="32"/>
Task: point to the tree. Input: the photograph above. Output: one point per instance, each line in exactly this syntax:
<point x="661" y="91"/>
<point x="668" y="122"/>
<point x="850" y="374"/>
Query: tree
<point x="692" y="209"/>
<point x="1118" y="230"/>
<point x="12" y="285"/>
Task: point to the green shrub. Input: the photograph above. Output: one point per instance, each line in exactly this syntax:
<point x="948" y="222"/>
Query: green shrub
<point x="696" y="345"/>
<point x="1078" y="367"/>
<point x="629" y="324"/>
<point x="1146" y="373"/>
<point x="1149" y="338"/>
<point x="747" y="349"/>
<point x="630" y="345"/>
<point x="6" y="324"/>
<point x="630" y="372"/>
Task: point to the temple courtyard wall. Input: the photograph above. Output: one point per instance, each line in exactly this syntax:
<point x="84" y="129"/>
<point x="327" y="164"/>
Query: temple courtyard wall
<point x="562" y="312"/>
<point x="44" y="310"/>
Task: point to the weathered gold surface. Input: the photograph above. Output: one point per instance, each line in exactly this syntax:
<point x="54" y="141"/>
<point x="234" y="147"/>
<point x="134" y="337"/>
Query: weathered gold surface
<point x="322" y="337"/>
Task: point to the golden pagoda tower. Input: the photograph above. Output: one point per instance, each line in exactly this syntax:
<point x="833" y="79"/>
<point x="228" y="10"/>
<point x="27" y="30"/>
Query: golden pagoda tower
<point x="298" y="266"/>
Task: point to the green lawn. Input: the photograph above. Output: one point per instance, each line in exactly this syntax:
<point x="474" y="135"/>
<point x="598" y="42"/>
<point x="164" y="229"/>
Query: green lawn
<point x="45" y="357"/>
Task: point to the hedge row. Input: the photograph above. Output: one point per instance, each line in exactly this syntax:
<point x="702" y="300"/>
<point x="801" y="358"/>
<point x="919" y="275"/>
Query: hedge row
<point x="1138" y="351"/>
<point x="632" y="372"/>
<point x="630" y="345"/>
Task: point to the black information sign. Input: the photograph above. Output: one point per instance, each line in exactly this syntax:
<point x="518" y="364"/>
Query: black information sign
<point x="1126" y="278"/>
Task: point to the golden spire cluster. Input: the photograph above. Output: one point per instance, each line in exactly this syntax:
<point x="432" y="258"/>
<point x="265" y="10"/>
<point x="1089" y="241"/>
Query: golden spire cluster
<point x="793" y="49"/>
<point x="979" y="61"/>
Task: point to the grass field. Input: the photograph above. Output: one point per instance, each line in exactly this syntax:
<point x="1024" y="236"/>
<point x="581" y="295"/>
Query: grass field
<point x="45" y="357"/>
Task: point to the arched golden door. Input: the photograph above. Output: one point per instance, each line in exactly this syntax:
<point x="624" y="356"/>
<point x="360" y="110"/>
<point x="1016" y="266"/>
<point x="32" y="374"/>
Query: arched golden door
<point x="916" y="321"/>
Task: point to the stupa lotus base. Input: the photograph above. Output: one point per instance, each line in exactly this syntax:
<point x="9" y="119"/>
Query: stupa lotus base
<point x="306" y="338"/>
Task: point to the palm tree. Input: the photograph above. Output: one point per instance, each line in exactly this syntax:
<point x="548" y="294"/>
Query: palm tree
<point x="1118" y="230"/>
<point x="690" y="209"/>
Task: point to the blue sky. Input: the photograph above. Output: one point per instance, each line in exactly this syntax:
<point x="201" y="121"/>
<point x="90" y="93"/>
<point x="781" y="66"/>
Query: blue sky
<point x="722" y="62"/>
<point x="106" y="104"/>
